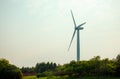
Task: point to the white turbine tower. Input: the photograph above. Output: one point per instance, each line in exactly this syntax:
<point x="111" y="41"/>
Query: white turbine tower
<point x="77" y="28"/>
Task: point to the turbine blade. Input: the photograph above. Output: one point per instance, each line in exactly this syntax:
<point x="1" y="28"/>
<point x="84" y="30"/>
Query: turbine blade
<point x="72" y="39"/>
<point x="81" y="24"/>
<point x="73" y="18"/>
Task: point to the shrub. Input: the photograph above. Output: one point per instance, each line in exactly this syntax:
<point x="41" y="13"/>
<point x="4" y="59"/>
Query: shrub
<point x="41" y="75"/>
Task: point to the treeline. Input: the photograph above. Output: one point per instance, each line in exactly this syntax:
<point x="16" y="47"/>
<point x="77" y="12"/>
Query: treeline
<point x="42" y="67"/>
<point x="39" y="68"/>
<point x="28" y="71"/>
<point x="93" y="67"/>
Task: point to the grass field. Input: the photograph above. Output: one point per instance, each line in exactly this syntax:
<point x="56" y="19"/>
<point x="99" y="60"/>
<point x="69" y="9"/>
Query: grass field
<point x="54" y="77"/>
<point x="33" y="77"/>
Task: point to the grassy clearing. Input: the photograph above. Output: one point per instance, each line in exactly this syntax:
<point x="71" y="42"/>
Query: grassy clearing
<point x="29" y="77"/>
<point x="58" y="77"/>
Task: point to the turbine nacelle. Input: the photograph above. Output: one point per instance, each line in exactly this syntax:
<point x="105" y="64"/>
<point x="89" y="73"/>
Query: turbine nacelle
<point x="79" y="28"/>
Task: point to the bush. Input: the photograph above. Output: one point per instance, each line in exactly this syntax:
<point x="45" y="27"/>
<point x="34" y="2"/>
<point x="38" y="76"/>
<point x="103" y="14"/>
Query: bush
<point x="41" y="75"/>
<point x="45" y="74"/>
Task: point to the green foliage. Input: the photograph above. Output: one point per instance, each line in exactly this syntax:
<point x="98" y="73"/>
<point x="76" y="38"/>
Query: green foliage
<point x="92" y="67"/>
<point x="118" y="65"/>
<point x="28" y="69"/>
<point x="41" y="75"/>
<point x="42" y="67"/>
<point x="9" y="71"/>
<point x="45" y="74"/>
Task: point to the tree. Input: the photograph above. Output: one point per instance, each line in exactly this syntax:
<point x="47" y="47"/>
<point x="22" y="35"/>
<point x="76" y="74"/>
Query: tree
<point x="28" y="70"/>
<point x="9" y="71"/>
<point x="42" y="67"/>
<point x="118" y="65"/>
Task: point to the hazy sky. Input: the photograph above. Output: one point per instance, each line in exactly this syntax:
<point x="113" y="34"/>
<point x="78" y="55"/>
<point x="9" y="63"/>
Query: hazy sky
<point x="34" y="31"/>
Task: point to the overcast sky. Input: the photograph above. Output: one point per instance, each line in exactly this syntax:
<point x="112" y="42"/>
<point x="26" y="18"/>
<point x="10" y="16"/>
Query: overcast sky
<point x="34" y="31"/>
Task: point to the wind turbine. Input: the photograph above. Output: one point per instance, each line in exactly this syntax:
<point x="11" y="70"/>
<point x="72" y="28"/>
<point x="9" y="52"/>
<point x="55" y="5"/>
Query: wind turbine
<point x="77" y="28"/>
